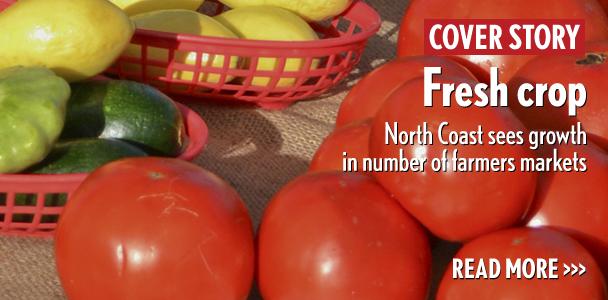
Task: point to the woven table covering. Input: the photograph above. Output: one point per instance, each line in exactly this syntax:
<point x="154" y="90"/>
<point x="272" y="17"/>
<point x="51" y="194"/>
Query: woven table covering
<point x="256" y="151"/>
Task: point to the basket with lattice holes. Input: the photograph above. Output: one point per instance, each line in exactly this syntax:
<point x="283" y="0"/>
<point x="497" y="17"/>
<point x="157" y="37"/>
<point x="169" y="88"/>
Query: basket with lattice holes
<point x="323" y="63"/>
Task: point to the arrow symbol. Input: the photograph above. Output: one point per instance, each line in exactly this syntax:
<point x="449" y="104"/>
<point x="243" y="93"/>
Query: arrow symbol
<point x="573" y="270"/>
<point x="582" y="270"/>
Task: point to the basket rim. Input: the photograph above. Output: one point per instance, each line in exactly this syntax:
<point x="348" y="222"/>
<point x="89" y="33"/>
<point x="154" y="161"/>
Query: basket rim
<point x="42" y="178"/>
<point x="362" y="36"/>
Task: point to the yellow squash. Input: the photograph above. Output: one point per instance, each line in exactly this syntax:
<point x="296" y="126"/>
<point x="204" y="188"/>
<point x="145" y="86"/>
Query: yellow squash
<point x="135" y="7"/>
<point x="272" y="24"/>
<point x="77" y="39"/>
<point x="311" y="10"/>
<point x="186" y="22"/>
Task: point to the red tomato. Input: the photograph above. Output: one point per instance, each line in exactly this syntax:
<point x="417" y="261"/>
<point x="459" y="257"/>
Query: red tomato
<point x="412" y="35"/>
<point x="604" y="3"/>
<point x="367" y="96"/>
<point x="152" y="228"/>
<point x="352" y="139"/>
<point x="453" y="206"/>
<point x="591" y="71"/>
<point x="340" y="236"/>
<point x="525" y="243"/>
<point x="577" y="203"/>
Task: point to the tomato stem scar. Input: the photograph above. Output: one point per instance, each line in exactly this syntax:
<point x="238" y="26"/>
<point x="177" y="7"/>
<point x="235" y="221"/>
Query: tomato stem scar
<point x="593" y="59"/>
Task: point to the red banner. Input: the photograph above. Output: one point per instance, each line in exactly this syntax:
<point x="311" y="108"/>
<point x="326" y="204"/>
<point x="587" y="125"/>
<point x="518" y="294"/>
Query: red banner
<point x="503" y="37"/>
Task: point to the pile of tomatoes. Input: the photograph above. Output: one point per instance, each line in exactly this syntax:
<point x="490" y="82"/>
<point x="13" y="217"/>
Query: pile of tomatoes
<point x="152" y="228"/>
<point x="494" y="215"/>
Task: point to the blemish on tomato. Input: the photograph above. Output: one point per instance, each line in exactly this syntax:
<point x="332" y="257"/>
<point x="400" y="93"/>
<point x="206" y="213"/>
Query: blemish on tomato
<point x="517" y="241"/>
<point x="156" y="175"/>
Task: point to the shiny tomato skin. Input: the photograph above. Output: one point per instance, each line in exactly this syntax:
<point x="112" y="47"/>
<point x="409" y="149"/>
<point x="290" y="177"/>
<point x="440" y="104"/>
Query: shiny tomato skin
<point x="412" y="35"/>
<point x="576" y="203"/>
<point x="591" y="71"/>
<point x="352" y="139"/>
<point x="334" y="236"/>
<point x="366" y="97"/>
<point x="154" y="228"/>
<point x="455" y="207"/>
<point x="525" y="243"/>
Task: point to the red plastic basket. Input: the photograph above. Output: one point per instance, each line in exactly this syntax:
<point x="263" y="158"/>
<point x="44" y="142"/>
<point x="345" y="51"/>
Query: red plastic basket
<point x="342" y="42"/>
<point x="340" y="48"/>
<point x="38" y="187"/>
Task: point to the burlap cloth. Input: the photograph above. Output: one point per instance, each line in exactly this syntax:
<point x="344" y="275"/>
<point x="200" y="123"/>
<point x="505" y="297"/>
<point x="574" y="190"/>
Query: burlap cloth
<point x="256" y="151"/>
